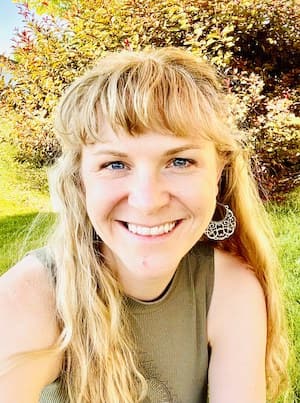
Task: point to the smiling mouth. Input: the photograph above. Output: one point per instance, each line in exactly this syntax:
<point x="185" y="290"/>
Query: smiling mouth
<point x="151" y="231"/>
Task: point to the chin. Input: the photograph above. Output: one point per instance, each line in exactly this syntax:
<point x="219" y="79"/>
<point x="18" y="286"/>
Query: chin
<point x="152" y="266"/>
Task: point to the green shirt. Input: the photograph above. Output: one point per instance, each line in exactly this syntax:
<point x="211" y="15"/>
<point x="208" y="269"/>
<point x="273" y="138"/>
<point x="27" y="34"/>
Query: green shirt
<point x="171" y="334"/>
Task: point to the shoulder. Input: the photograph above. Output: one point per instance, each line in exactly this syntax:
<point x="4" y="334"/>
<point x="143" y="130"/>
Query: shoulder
<point x="26" y="292"/>
<point x="235" y="288"/>
<point x="232" y="270"/>
<point x="27" y="302"/>
<point x="237" y="332"/>
<point x="28" y="317"/>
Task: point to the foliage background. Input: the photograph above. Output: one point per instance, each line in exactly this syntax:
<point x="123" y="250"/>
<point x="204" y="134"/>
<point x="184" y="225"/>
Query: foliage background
<point x="253" y="44"/>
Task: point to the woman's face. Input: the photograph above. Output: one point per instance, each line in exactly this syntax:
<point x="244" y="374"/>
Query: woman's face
<point x="149" y="198"/>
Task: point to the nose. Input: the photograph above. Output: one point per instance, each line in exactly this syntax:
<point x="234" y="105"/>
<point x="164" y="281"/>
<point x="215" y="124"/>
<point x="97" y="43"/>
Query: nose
<point x="148" y="193"/>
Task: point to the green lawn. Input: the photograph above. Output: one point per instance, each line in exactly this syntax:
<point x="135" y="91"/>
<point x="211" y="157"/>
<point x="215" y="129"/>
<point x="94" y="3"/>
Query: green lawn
<point x="23" y="195"/>
<point x="286" y="224"/>
<point x="24" y="200"/>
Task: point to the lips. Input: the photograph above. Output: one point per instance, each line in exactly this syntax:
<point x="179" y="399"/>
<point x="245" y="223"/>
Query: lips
<point x="151" y="231"/>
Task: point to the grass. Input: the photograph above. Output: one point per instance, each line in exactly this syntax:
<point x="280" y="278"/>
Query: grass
<point x="23" y="195"/>
<point x="286" y="223"/>
<point x="24" y="199"/>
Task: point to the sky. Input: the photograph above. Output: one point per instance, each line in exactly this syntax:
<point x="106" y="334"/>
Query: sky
<point x="9" y="20"/>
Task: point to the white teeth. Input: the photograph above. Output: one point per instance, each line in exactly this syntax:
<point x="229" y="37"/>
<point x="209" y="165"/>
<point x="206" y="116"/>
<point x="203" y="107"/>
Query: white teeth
<point x="154" y="230"/>
<point x="158" y="230"/>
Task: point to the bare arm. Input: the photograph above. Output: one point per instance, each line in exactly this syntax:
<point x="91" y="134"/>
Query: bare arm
<point x="27" y="322"/>
<point x="237" y="334"/>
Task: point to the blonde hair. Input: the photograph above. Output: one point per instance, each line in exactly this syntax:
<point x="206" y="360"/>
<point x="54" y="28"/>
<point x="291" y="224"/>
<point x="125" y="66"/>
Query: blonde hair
<point x="170" y="91"/>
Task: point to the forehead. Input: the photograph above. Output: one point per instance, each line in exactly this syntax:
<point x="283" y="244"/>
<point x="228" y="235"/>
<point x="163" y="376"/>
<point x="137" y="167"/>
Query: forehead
<point x="150" y="142"/>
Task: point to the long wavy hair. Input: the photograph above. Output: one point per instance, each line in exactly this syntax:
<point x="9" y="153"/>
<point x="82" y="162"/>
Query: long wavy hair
<point x="170" y="91"/>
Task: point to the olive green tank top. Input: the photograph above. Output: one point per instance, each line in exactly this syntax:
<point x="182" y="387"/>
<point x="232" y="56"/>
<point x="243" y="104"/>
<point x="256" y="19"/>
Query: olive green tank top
<point x="171" y="334"/>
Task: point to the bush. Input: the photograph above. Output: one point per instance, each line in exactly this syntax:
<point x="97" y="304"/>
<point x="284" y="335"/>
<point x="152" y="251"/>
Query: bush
<point x="272" y="128"/>
<point x="252" y="43"/>
<point x="278" y="156"/>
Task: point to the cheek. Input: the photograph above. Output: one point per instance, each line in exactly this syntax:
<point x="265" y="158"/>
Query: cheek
<point x="95" y="201"/>
<point x="101" y="199"/>
<point x="92" y="193"/>
<point x="202" y="189"/>
<point x="200" y="197"/>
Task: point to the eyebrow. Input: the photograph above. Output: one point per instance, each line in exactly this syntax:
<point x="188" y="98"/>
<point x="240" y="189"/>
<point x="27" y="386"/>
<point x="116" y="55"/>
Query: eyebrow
<point x="168" y="153"/>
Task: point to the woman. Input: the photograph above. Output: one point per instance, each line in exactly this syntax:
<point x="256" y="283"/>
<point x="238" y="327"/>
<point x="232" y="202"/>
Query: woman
<point x="159" y="280"/>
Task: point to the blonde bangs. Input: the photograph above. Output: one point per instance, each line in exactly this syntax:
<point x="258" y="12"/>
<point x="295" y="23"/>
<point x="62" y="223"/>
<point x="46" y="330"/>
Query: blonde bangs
<point x="144" y="91"/>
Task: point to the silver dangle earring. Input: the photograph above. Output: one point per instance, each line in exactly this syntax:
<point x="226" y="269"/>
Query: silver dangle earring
<point x="223" y="229"/>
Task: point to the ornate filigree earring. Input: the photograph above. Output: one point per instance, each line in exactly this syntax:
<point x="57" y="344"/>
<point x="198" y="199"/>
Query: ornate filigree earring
<point x="223" y="229"/>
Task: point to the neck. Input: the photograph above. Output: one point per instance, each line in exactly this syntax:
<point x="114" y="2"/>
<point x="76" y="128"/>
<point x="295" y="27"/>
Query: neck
<point x="149" y="291"/>
<point x="142" y="285"/>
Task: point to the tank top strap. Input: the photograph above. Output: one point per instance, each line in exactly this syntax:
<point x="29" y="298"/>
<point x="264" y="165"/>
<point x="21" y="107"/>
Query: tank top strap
<point x="202" y="269"/>
<point x="44" y="255"/>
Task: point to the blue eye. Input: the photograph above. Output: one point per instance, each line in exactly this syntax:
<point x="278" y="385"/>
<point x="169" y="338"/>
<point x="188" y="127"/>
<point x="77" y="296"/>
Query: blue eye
<point x="181" y="162"/>
<point x="115" y="165"/>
